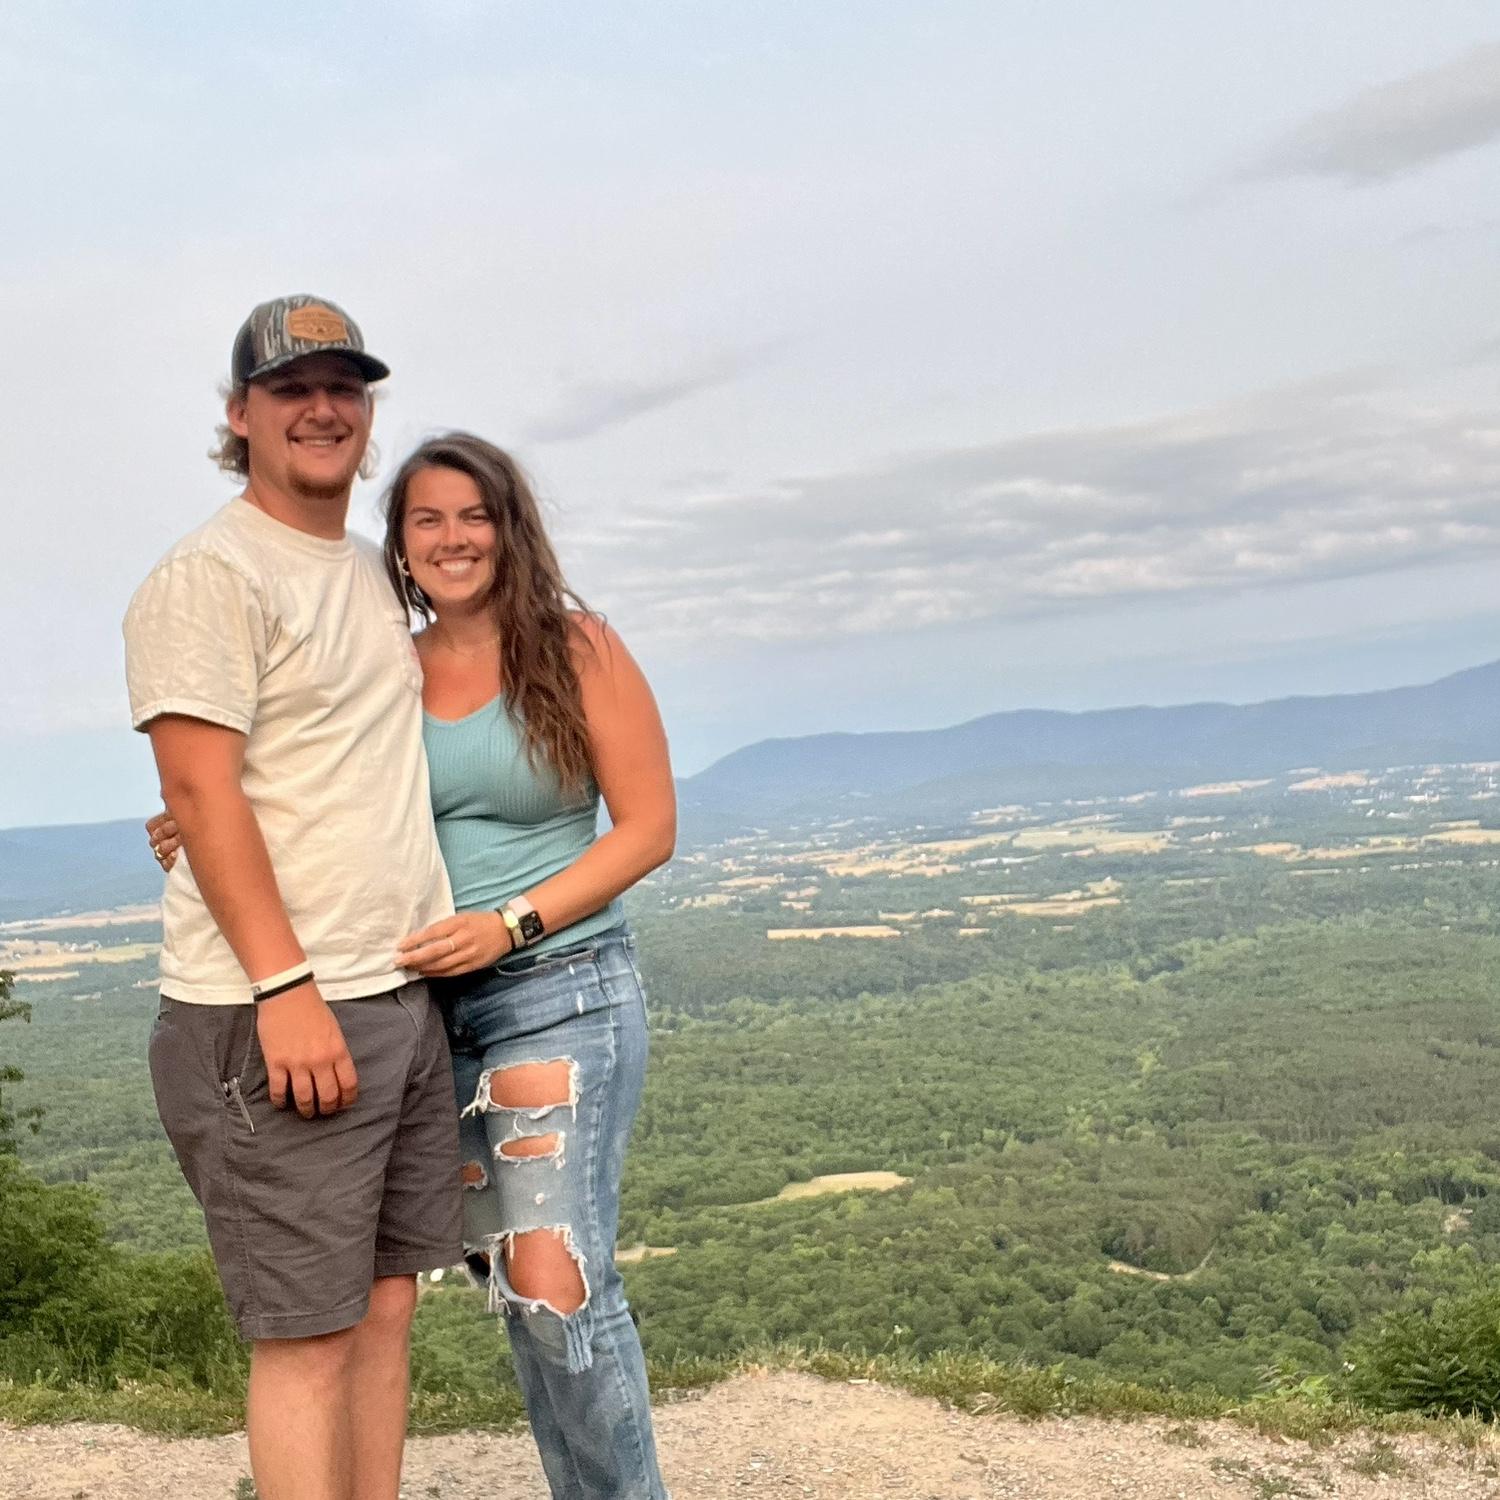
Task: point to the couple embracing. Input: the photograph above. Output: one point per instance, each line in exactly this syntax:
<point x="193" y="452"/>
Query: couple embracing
<point x="401" y="1020"/>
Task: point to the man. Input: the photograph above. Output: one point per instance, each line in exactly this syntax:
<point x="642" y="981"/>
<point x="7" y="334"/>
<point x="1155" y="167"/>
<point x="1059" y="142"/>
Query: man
<point x="304" y="1084"/>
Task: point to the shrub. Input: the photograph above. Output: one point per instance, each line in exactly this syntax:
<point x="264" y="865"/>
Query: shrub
<point x="1442" y="1361"/>
<point x="75" y="1308"/>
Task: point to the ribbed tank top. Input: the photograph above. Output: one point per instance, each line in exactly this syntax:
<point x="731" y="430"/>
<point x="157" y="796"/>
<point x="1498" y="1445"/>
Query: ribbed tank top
<point x="503" y="826"/>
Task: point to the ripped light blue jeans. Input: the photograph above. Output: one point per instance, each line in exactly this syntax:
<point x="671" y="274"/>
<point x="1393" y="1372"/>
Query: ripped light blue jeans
<point x="582" y="1372"/>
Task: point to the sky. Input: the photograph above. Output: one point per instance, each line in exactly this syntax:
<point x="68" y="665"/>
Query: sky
<point x="881" y="364"/>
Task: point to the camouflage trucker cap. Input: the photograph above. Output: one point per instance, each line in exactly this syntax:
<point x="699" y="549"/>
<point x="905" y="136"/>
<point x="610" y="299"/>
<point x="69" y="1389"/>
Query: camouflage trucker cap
<point x="287" y="328"/>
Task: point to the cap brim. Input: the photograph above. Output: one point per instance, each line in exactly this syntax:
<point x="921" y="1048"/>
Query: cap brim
<point x="370" y="367"/>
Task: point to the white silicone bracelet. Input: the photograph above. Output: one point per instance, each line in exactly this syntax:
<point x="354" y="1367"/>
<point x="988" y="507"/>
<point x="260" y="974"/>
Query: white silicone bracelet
<point x="296" y="974"/>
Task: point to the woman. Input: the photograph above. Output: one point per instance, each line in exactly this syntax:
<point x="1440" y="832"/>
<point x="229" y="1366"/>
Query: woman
<point x="533" y="709"/>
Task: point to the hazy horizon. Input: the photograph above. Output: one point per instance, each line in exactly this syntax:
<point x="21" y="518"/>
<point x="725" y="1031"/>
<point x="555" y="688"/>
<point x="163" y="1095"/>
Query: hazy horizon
<point x="886" y="728"/>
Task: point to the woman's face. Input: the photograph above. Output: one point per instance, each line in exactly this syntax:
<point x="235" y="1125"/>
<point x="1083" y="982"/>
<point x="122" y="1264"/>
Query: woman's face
<point x="449" y="539"/>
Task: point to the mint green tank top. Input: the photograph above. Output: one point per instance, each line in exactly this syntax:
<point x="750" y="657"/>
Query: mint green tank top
<point x="503" y="826"/>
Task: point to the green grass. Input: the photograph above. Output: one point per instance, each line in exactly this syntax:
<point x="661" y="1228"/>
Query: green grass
<point x="175" y="1411"/>
<point x="966" y="1382"/>
<point x="499" y="1409"/>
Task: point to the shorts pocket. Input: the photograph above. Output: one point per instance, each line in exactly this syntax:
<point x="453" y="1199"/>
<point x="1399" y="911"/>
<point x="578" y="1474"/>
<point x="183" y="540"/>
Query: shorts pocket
<point x="235" y="1056"/>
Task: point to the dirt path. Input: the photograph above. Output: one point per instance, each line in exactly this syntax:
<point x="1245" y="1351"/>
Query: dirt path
<point x="793" y="1437"/>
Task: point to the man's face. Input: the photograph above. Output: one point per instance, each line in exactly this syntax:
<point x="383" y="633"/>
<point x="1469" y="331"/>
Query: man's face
<point x="307" y="425"/>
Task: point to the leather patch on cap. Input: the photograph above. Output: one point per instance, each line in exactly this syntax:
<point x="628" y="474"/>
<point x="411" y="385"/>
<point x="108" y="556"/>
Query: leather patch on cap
<point x="317" y="325"/>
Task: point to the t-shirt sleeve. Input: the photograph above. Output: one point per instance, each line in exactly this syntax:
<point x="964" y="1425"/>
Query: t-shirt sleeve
<point x="195" y="643"/>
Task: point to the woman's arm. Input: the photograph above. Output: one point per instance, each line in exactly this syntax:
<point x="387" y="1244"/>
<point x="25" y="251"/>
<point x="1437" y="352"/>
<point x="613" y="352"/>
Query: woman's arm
<point x="634" y="773"/>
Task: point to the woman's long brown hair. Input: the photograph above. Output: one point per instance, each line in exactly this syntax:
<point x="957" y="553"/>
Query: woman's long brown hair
<point x="530" y="600"/>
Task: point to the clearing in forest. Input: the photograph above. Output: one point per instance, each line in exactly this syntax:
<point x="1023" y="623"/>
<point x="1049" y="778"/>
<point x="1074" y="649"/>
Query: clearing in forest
<point x="1092" y="839"/>
<point x="839" y="1182"/>
<point x="1222" y="788"/>
<point x="1465" y="836"/>
<point x="637" y="1253"/>
<point x="1330" y="783"/>
<point x="780" y="934"/>
<point x="55" y="956"/>
<point x="1060" y="906"/>
<point x="1095" y="894"/>
<point x="1124" y="1268"/>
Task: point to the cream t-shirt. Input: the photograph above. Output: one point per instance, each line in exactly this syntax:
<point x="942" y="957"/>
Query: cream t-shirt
<point x="300" y="644"/>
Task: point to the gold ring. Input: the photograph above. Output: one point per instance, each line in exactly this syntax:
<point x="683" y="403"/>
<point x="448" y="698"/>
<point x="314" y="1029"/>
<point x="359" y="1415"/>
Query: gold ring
<point x="452" y="946"/>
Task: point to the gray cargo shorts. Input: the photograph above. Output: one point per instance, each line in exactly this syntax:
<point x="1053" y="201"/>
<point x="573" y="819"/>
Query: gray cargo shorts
<point x="303" y="1215"/>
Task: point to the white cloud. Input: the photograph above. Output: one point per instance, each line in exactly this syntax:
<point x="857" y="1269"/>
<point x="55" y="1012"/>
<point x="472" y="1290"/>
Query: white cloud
<point x="1313" y="483"/>
<point x="1398" y="126"/>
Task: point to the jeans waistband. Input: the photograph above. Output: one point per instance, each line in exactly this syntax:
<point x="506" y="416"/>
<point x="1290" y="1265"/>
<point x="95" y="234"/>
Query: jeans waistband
<point x="517" y="968"/>
<point x="526" y="963"/>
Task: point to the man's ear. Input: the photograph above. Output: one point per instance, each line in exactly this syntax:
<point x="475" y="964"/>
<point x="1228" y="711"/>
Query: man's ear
<point x="234" y="414"/>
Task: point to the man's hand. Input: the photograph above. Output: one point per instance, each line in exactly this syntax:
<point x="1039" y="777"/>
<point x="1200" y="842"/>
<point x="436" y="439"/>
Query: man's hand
<point x="305" y="1053"/>
<point x="202" y="769"/>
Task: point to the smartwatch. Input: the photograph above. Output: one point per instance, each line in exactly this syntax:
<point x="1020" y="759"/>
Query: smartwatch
<point x="523" y="921"/>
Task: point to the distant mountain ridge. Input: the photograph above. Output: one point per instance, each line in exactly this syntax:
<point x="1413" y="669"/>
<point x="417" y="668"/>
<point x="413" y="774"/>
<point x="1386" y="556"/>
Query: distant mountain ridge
<point x="1030" y="753"/>
<point x="1018" y="756"/>
<point x="75" y="867"/>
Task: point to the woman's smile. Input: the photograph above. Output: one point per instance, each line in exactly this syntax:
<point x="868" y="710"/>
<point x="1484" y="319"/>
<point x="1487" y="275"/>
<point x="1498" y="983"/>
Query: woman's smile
<point x="449" y="537"/>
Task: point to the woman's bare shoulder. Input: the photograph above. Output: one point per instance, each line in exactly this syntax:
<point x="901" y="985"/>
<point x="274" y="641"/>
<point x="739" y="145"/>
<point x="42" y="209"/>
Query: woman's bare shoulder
<point x="594" y="631"/>
<point x="600" y="656"/>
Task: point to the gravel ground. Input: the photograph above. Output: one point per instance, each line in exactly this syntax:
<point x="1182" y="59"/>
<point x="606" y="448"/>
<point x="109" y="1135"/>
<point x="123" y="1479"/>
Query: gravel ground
<point x="785" y="1436"/>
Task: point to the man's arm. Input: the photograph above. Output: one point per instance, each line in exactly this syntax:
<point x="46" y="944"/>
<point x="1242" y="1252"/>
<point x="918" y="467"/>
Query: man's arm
<point x="200" y="765"/>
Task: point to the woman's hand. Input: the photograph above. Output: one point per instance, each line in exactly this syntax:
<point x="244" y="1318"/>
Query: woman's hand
<point x="165" y="840"/>
<point x="471" y="940"/>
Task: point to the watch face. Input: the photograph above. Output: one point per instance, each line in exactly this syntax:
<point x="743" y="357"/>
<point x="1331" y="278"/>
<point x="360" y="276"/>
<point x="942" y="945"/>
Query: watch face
<point x="531" y="926"/>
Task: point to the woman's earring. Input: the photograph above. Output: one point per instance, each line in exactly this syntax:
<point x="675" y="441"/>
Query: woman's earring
<point x="401" y="563"/>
